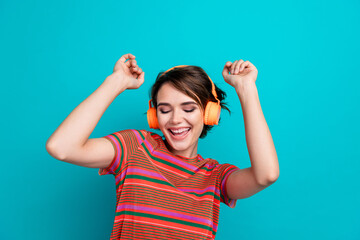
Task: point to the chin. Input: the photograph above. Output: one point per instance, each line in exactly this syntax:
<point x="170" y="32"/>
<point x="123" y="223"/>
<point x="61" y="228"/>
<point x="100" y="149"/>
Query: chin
<point x="179" y="141"/>
<point x="178" y="146"/>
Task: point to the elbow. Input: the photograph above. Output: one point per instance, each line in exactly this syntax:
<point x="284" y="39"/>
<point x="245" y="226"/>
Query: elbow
<point x="53" y="150"/>
<point x="273" y="178"/>
<point x="270" y="179"/>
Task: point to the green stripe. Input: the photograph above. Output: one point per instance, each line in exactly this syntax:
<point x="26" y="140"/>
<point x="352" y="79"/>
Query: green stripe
<point x="135" y="176"/>
<point x="122" y="153"/>
<point x="143" y="144"/>
<point x="152" y="134"/>
<point x="208" y="193"/>
<point x="151" y="191"/>
<point x="154" y="230"/>
<point x="165" y="162"/>
<point x="206" y="168"/>
<point x="120" y="183"/>
<point x="142" y="136"/>
<point x="127" y="212"/>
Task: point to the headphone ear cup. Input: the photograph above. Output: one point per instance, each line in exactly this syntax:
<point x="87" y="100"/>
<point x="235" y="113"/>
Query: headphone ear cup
<point x="152" y="118"/>
<point x="212" y="113"/>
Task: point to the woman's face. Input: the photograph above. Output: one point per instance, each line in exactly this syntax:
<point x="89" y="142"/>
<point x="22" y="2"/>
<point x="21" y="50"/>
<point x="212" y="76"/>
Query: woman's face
<point x="180" y="120"/>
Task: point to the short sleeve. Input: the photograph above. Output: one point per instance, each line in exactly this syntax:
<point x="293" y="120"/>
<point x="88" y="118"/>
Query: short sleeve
<point x="224" y="172"/>
<point x="123" y="142"/>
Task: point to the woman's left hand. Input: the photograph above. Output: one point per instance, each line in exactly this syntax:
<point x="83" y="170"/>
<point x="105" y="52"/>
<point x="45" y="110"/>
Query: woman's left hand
<point x="241" y="72"/>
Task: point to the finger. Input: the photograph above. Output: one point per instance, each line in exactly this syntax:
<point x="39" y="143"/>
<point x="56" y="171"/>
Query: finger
<point x="226" y="68"/>
<point x="131" y="63"/>
<point x="134" y="69"/>
<point x="233" y="67"/>
<point x="141" y="78"/>
<point x="126" y="56"/>
<point x="137" y="70"/>
<point x="237" y="67"/>
<point x="245" y="64"/>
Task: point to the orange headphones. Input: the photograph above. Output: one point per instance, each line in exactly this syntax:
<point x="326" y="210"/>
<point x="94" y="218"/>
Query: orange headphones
<point x="211" y="114"/>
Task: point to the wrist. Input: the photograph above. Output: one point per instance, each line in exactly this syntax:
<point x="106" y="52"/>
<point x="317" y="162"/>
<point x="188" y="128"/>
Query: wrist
<point x="115" y="83"/>
<point x="245" y="89"/>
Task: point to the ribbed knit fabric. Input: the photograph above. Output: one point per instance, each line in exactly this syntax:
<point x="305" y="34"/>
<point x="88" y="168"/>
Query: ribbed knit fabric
<point x="161" y="195"/>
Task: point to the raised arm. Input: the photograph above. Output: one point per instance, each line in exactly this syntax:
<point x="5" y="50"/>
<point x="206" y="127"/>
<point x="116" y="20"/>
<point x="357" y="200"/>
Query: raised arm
<point x="70" y="142"/>
<point x="264" y="168"/>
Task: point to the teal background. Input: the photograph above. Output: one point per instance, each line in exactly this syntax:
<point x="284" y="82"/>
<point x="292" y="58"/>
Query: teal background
<point x="55" y="54"/>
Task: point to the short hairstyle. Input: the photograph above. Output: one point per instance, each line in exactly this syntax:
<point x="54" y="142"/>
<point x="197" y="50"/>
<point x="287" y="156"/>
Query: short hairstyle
<point x="195" y="83"/>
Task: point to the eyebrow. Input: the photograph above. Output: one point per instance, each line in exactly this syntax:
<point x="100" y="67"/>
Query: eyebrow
<point x="182" y="104"/>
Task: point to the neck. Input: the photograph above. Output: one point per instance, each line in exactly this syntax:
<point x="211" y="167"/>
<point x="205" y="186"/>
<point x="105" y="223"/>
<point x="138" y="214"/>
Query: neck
<point x="188" y="153"/>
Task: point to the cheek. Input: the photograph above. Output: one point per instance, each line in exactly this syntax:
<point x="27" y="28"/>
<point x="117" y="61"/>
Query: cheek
<point x="162" y="119"/>
<point x="197" y="120"/>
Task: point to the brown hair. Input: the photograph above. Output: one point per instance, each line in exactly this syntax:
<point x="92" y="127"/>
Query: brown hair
<point x="192" y="81"/>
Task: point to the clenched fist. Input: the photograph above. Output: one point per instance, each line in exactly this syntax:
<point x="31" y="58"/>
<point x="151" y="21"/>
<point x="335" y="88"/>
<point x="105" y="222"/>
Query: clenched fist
<point x="241" y="72"/>
<point x="129" y="72"/>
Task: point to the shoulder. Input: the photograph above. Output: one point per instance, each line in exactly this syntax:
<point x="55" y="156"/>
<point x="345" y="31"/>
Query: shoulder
<point x="146" y="137"/>
<point x="219" y="169"/>
<point x="210" y="163"/>
<point x="131" y="136"/>
<point x="222" y="167"/>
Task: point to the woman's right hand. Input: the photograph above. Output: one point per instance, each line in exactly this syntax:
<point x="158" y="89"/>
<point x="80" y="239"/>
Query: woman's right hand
<point x="129" y="73"/>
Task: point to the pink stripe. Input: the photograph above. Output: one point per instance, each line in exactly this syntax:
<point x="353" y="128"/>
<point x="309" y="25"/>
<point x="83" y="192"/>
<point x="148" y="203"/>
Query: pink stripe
<point x="137" y="136"/>
<point x="196" y="198"/>
<point x="139" y="170"/>
<point x="199" y="191"/>
<point x="179" y="216"/>
<point x="162" y="225"/>
<point x="169" y="157"/>
<point x="118" y="152"/>
<point x="226" y="199"/>
<point x="119" y="177"/>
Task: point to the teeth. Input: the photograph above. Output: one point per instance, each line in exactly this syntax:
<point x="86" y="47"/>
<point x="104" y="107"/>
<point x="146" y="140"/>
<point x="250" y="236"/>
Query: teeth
<point x="179" y="130"/>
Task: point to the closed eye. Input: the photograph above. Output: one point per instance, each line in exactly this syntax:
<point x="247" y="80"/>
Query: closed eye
<point x="191" y="110"/>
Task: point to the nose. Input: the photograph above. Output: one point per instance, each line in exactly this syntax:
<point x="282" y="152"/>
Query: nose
<point x="176" y="117"/>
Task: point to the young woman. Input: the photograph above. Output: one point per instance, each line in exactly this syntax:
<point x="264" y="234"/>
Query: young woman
<point x="164" y="188"/>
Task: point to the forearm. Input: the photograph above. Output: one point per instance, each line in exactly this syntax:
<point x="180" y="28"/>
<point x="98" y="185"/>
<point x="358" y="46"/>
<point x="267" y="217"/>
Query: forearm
<point x="75" y="130"/>
<point x="260" y="145"/>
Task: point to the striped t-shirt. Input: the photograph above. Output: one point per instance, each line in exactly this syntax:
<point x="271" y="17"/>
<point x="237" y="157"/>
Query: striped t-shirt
<point x="160" y="195"/>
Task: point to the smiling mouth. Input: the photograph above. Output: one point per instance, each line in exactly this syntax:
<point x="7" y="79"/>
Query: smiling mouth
<point x="179" y="132"/>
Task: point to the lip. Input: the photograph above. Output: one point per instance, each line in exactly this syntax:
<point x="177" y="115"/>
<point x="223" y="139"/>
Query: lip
<point x="177" y="128"/>
<point x="179" y="138"/>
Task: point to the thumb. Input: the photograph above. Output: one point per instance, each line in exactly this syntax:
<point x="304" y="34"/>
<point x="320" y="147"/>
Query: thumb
<point x="226" y="69"/>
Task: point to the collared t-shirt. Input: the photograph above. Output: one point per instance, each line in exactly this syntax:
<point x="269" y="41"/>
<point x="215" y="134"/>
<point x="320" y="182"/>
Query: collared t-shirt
<point x="160" y="195"/>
